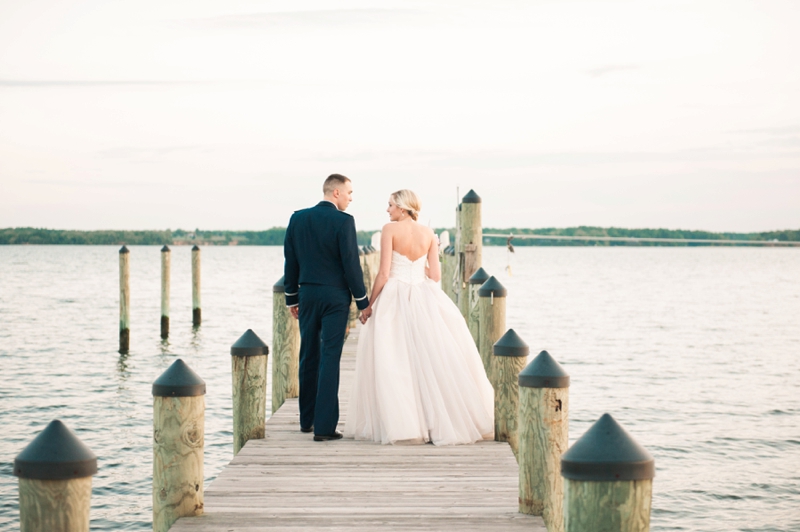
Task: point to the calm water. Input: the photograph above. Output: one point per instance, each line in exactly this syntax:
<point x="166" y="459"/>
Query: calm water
<point x="696" y="351"/>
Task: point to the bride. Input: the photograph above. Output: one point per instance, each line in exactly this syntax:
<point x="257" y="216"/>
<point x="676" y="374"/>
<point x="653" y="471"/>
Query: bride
<point x="419" y="377"/>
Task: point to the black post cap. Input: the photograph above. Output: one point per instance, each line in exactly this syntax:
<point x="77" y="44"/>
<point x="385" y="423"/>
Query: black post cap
<point x="249" y="345"/>
<point x="55" y="454"/>
<point x="195" y="248"/>
<point x="479" y="277"/>
<point x="544" y="372"/>
<point x="278" y="287"/>
<point x="471" y="197"/>
<point x="165" y="249"/>
<point x="124" y="249"/>
<point x="179" y="381"/>
<point x="606" y="452"/>
<point x="510" y="345"/>
<point x="371" y="249"/>
<point x="492" y="287"/>
<point x="362" y="250"/>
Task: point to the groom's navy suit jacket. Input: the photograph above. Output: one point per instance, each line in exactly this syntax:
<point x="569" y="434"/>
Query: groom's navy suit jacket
<point x="320" y="248"/>
<point x="321" y="273"/>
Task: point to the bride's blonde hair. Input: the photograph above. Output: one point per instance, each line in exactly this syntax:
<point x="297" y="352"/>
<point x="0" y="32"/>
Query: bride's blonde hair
<point x="408" y="201"/>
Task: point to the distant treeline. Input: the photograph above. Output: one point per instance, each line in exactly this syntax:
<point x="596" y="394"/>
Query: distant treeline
<point x="274" y="236"/>
<point x="783" y="236"/>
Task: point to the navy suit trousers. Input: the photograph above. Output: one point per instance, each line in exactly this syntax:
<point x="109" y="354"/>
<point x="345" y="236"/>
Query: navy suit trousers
<point x="323" y="319"/>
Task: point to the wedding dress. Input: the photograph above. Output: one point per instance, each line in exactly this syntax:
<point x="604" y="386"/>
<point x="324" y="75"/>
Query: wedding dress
<point x="419" y="376"/>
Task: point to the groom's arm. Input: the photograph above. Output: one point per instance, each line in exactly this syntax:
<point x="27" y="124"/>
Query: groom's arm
<point x="348" y="249"/>
<point x="291" y="270"/>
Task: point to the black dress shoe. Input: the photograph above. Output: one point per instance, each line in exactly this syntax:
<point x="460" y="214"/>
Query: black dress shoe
<point x="307" y="430"/>
<point x="328" y="437"/>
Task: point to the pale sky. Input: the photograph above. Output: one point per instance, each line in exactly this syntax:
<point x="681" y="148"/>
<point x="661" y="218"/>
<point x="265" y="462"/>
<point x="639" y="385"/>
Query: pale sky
<point x="229" y="114"/>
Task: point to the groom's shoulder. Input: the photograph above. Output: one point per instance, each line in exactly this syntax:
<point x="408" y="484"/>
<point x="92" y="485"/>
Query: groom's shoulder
<point x="318" y="212"/>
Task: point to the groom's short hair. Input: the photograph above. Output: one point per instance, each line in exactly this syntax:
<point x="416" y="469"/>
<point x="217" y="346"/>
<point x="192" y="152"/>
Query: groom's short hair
<point x="333" y="182"/>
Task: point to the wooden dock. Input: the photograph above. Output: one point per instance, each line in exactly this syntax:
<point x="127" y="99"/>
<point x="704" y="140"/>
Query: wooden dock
<point x="289" y="482"/>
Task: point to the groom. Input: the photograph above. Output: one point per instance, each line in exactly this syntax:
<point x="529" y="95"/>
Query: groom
<point x="321" y="271"/>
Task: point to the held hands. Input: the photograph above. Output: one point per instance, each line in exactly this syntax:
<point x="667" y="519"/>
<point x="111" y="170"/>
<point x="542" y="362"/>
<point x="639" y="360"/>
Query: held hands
<point x="365" y="314"/>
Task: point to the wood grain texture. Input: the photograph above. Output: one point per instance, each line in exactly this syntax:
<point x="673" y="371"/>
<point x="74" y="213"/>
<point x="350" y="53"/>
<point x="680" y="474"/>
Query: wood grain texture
<point x="285" y="352"/>
<point x="196" y="301"/>
<point x="289" y="482"/>
<point x="249" y="376"/>
<point x="492" y="325"/>
<point x="620" y="506"/>
<point x="448" y="273"/>
<point x="54" y="505"/>
<point x="366" y="271"/>
<point x="178" y="441"/>
<point x="124" y="301"/>
<point x="474" y="314"/>
<point x="504" y="378"/>
<point x="471" y="238"/>
<point x="543" y="438"/>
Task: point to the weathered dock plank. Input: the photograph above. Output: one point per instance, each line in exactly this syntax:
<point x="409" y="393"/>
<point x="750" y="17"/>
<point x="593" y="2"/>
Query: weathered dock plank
<point x="289" y="482"/>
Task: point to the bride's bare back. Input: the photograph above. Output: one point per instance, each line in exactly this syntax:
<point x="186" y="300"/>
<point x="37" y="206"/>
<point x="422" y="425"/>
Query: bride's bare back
<point x="410" y="238"/>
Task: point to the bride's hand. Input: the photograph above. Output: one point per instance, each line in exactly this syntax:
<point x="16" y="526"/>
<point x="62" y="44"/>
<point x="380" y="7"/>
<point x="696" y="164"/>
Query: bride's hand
<point x="365" y="314"/>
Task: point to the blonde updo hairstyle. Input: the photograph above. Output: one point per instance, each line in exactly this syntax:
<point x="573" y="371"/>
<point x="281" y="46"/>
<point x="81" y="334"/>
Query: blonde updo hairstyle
<point x="408" y="201"/>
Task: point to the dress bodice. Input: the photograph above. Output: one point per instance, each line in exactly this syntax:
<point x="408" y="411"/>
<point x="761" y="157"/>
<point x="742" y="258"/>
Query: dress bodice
<point x="405" y="270"/>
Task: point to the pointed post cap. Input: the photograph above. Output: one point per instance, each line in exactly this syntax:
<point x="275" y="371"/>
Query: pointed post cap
<point x="195" y="248"/>
<point x="362" y="250"/>
<point x="179" y="381"/>
<point x="606" y="452"/>
<point x="510" y="345"/>
<point x="249" y="345"/>
<point x="544" y="372"/>
<point x="278" y="287"/>
<point x="56" y="453"/>
<point x="165" y="249"/>
<point x="471" y="197"/>
<point x="370" y="248"/>
<point x="492" y="287"/>
<point x="479" y="277"/>
<point x="124" y="249"/>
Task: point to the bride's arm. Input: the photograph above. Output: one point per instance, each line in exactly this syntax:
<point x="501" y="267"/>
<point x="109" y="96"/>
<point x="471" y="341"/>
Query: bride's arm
<point x="434" y="270"/>
<point x="386" y="265"/>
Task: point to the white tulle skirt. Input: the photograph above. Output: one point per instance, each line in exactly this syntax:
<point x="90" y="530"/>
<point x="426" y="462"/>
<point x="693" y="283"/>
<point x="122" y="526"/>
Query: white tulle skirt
<point x="419" y="376"/>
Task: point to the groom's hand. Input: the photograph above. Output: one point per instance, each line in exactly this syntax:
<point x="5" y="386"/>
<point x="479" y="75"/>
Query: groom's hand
<point x="295" y="310"/>
<point x="365" y="314"/>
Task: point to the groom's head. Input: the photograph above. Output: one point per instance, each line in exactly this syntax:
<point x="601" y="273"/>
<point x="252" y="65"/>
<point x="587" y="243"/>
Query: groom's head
<point x="338" y="190"/>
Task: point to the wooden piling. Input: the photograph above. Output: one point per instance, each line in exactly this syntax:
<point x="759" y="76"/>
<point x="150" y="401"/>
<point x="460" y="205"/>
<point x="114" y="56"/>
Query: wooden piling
<point x="469" y="246"/>
<point x="124" y="300"/>
<point x="249" y="374"/>
<point x="55" y="481"/>
<point x="473" y="316"/>
<point x="448" y="273"/>
<point x="352" y="317"/>
<point x="366" y="267"/>
<point x="608" y="481"/>
<point x="543" y="438"/>
<point x="471" y="234"/>
<point x="509" y="355"/>
<point x="285" y="349"/>
<point x="178" y="442"/>
<point x="165" y="281"/>
<point x="196" y="306"/>
<point x="492" y="319"/>
<point x="374" y="267"/>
